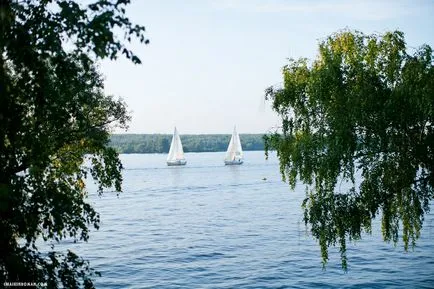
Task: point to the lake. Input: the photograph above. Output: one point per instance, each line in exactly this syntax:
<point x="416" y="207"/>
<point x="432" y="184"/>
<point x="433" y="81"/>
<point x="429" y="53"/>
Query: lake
<point x="207" y="225"/>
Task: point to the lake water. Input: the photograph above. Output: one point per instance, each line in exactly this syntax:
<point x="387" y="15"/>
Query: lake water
<point x="207" y="225"/>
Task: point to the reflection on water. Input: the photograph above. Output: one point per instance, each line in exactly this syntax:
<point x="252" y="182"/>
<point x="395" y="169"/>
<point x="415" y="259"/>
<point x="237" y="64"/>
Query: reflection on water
<point x="235" y="173"/>
<point x="175" y="175"/>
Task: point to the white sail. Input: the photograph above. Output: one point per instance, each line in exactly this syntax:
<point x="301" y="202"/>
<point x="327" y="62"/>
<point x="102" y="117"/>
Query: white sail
<point x="234" y="154"/>
<point x="176" y="152"/>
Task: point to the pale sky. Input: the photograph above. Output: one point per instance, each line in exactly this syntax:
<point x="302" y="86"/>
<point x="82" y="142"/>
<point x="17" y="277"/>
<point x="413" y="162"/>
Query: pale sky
<point x="209" y="61"/>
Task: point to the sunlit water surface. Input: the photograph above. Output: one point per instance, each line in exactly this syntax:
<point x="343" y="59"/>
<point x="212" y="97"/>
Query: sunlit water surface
<point x="207" y="225"/>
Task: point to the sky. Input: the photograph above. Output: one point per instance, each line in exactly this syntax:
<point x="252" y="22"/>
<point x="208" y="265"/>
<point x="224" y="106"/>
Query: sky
<point x="209" y="61"/>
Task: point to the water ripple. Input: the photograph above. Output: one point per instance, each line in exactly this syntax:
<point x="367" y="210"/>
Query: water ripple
<point x="211" y="226"/>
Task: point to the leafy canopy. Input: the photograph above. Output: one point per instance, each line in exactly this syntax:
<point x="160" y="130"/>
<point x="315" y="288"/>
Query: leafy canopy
<point x="362" y="112"/>
<point x="53" y="117"/>
<point x="160" y="143"/>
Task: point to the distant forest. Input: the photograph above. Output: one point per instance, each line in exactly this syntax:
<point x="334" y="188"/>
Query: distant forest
<point x="160" y="143"/>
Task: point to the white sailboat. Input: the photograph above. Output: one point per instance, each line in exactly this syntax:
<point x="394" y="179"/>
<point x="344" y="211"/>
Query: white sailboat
<point x="234" y="154"/>
<point x="176" y="152"/>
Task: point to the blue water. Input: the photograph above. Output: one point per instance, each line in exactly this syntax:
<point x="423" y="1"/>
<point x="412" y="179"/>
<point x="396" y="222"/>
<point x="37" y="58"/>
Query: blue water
<point x="210" y="226"/>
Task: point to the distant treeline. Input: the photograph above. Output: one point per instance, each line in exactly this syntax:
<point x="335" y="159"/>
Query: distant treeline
<point x="160" y="143"/>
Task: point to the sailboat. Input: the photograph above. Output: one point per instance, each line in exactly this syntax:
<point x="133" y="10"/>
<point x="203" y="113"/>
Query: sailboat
<point x="234" y="154"/>
<point x="176" y="153"/>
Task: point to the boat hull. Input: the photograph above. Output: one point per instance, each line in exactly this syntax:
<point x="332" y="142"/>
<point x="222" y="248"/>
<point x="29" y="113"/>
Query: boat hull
<point x="233" y="163"/>
<point x="177" y="163"/>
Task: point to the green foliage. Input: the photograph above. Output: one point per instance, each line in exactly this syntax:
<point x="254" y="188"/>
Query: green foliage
<point x="363" y="107"/>
<point x="160" y="143"/>
<point x="54" y="116"/>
